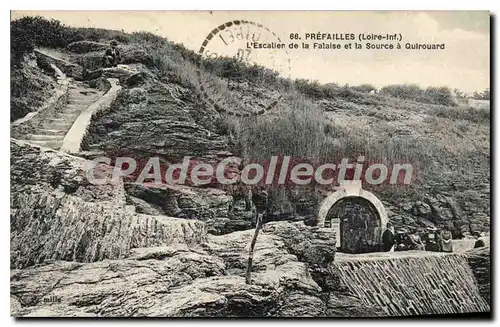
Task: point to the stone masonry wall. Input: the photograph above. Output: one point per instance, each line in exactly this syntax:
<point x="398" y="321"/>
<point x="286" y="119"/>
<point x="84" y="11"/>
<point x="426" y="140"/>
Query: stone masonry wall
<point x="434" y="284"/>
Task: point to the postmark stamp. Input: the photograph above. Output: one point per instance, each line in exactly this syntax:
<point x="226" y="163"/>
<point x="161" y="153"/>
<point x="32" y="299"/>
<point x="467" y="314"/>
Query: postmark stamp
<point x="253" y="46"/>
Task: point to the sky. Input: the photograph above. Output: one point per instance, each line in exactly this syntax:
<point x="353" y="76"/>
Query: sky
<point x="463" y="64"/>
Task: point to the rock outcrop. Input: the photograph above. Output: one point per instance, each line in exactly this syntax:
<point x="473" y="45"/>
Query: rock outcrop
<point x="164" y="121"/>
<point x="57" y="214"/>
<point x="86" y="46"/>
<point x="178" y="281"/>
<point x="210" y="205"/>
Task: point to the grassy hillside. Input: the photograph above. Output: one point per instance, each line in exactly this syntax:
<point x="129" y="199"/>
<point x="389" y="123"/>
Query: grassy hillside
<point x="448" y="144"/>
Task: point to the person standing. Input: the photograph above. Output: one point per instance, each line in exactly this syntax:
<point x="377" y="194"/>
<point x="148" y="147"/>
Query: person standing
<point x="432" y="240"/>
<point x="388" y="239"/>
<point x="446" y="240"/>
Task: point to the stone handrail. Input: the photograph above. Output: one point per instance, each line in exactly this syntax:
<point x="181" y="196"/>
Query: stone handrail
<point x="73" y="139"/>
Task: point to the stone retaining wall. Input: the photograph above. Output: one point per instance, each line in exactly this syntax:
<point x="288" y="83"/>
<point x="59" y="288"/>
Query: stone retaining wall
<point x="415" y="285"/>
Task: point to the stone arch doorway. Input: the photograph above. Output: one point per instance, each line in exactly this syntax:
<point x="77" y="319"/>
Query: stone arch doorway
<point x="358" y="230"/>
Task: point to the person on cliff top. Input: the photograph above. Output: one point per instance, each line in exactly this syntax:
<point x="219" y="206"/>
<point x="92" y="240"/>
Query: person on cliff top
<point x="446" y="240"/>
<point x="388" y="239"/>
<point x="112" y="55"/>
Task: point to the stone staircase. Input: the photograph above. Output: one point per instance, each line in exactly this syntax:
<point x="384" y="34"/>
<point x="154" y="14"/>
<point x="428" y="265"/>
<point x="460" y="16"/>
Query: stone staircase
<point x="52" y="132"/>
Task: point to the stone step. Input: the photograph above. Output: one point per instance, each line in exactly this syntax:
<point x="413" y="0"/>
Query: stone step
<point x="82" y="97"/>
<point x="46" y="137"/>
<point x="52" y="132"/>
<point x="84" y="92"/>
<point x="59" y="125"/>
<point x="71" y="115"/>
<point x="75" y="107"/>
<point x="57" y="120"/>
<point x="56" y="145"/>
<point x="82" y="102"/>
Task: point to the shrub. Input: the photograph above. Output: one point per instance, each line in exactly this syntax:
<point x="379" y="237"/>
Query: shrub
<point x="232" y="68"/>
<point x="403" y="91"/>
<point x="475" y="115"/>
<point x="311" y="88"/>
<point x="85" y="46"/>
<point x="28" y="32"/>
<point x="485" y="95"/>
<point x="439" y="95"/>
<point x="32" y="31"/>
<point x="436" y="95"/>
<point x="297" y="131"/>
<point x="364" y="88"/>
<point x="147" y="37"/>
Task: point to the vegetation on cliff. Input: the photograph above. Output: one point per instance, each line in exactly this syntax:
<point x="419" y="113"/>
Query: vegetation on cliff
<point x="447" y="144"/>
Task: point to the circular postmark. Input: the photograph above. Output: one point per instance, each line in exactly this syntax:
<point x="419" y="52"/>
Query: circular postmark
<point x="243" y="59"/>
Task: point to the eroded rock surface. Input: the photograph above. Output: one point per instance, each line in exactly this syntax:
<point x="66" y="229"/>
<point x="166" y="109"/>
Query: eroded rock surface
<point x="180" y="281"/>
<point x="57" y="214"/>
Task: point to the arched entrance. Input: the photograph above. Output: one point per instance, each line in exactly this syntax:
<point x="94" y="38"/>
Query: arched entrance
<point x="358" y="230"/>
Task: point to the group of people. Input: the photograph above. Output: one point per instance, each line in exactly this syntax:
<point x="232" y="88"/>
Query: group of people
<point x="431" y="239"/>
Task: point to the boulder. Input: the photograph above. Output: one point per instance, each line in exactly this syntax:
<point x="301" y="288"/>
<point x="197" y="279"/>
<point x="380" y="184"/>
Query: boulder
<point x="421" y="209"/>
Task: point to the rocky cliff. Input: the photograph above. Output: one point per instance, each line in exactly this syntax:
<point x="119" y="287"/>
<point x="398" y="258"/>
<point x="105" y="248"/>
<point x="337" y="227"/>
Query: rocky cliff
<point x="81" y="250"/>
<point x="166" y="115"/>
<point x="129" y="249"/>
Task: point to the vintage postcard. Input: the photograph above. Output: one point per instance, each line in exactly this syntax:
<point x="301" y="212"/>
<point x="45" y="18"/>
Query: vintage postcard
<point x="250" y="164"/>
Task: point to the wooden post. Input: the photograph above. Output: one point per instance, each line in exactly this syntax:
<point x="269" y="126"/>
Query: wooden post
<point x="250" y="252"/>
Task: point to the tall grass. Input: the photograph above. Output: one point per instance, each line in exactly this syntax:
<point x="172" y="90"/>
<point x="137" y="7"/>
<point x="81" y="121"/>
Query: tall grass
<point x="296" y="131"/>
<point x="302" y="131"/>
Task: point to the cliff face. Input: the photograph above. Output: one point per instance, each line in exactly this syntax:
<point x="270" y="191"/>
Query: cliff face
<point x="79" y="249"/>
<point x="170" y="118"/>
<point x="56" y="214"/>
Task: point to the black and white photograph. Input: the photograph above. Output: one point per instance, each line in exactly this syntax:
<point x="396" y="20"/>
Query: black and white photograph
<point x="250" y="164"/>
